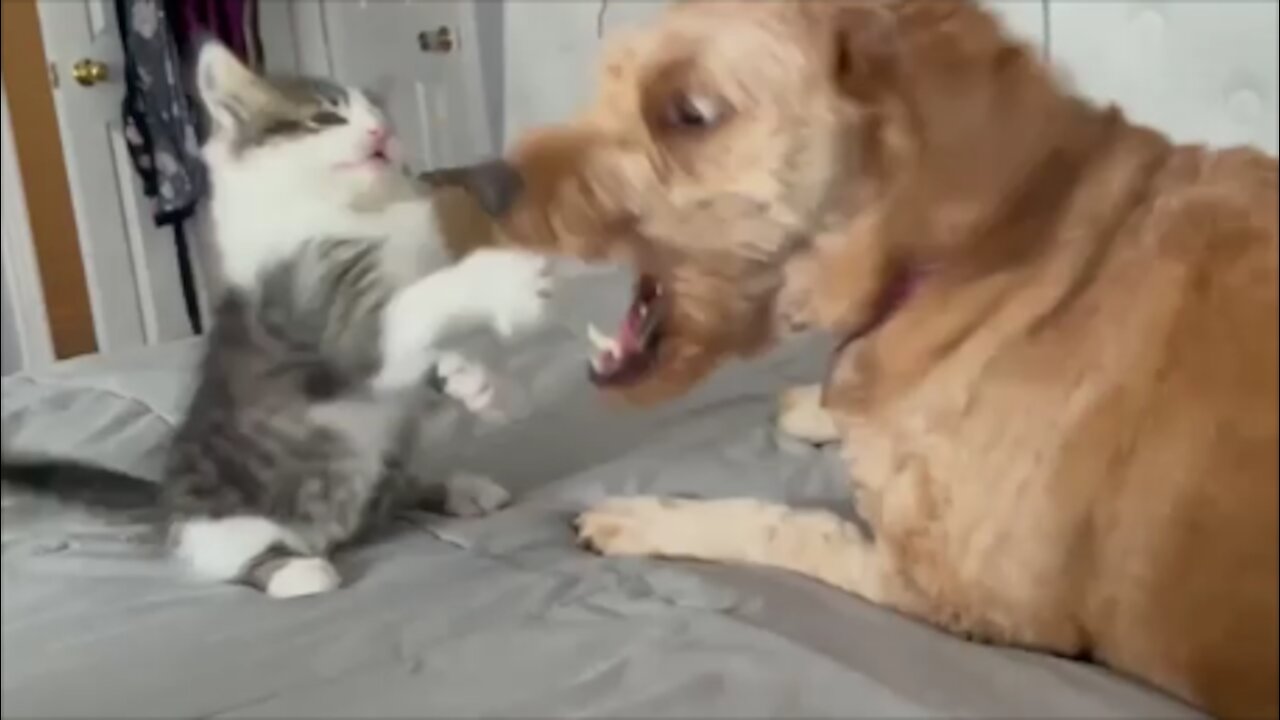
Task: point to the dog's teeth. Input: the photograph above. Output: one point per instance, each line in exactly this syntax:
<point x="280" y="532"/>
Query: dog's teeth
<point x="602" y="362"/>
<point x="601" y="342"/>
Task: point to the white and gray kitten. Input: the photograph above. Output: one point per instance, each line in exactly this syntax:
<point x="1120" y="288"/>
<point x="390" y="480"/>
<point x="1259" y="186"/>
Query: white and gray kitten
<point x="336" y="299"/>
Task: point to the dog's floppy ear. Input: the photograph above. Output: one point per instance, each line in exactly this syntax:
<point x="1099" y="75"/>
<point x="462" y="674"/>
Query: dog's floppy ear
<point x="867" y="48"/>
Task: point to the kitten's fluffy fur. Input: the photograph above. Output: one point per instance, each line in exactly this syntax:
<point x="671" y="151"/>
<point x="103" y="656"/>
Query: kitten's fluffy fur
<point x="328" y="327"/>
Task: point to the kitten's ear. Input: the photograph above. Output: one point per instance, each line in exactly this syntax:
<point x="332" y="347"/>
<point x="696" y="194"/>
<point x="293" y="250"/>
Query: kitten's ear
<point x="228" y="89"/>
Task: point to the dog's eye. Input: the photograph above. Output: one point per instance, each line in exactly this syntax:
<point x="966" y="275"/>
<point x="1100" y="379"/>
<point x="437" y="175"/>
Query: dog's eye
<point x="693" y="112"/>
<point x="327" y="118"/>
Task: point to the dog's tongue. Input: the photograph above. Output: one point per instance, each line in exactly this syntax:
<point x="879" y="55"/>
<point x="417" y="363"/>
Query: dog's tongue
<point x="618" y="358"/>
<point x="613" y="353"/>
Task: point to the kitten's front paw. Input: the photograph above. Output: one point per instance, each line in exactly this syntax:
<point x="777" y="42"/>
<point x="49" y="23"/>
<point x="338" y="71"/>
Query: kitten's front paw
<point x="467" y="382"/>
<point x="469" y="495"/>
<point x="299" y="577"/>
<point x="475" y="386"/>
<point x="517" y="288"/>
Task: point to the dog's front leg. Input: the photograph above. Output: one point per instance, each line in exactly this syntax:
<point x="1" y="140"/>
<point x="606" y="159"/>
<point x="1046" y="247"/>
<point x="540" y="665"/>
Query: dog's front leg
<point x="810" y="542"/>
<point x="838" y="284"/>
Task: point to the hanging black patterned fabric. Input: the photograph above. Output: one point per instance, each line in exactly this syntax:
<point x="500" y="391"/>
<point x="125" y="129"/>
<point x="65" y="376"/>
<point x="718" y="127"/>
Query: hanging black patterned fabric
<point x="161" y="115"/>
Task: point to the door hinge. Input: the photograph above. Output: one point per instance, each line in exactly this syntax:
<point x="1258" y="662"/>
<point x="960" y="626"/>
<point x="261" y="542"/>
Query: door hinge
<point x="53" y="75"/>
<point x="441" y="40"/>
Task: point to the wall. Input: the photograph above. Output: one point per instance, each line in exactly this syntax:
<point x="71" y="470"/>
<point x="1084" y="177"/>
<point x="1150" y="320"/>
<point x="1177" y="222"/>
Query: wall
<point x="491" y="25"/>
<point x="551" y="46"/>
<point x="376" y="42"/>
<point x="1202" y="70"/>
<point x="1199" y="69"/>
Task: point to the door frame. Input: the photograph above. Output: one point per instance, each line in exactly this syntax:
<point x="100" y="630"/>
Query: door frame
<point x="131" y="271"/>
<point x="44" y="266"/>
<point x="18" y="250"/>
<point x="113" y="275"/>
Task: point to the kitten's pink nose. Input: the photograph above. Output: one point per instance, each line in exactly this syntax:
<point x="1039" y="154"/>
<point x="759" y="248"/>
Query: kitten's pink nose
<point x="379" y="136"/>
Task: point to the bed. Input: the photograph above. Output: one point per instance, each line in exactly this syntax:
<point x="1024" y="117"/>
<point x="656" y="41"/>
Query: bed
<point x="497" y="616"/>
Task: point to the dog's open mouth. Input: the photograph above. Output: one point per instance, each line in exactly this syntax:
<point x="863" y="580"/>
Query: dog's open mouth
<point x="629" y="356"/>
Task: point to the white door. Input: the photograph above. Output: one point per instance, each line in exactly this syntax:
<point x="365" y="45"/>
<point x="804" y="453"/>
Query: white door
<point x="131" y="265"/>
<point x="436" y="91"/>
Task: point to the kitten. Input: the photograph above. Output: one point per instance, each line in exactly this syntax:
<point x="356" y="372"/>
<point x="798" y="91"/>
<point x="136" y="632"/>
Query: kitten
<point x="328" y="330"/>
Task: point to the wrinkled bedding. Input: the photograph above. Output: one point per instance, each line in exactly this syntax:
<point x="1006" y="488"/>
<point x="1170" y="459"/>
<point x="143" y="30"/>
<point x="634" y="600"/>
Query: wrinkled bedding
<point x="497" y="616"/>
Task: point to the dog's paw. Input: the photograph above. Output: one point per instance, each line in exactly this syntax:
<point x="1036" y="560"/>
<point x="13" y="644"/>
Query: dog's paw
<point x="517" y="288"/>
<point x="802" y="416"/>
<point x="633" y="526"/>
<point x="468" y="495"/>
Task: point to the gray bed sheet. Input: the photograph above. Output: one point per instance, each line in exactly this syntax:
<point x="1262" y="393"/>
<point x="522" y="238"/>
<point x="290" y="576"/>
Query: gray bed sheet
<point x="498" y="616"/>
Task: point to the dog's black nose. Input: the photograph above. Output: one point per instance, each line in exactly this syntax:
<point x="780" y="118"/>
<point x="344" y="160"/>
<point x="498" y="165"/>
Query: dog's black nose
<point x="495" y="184"/>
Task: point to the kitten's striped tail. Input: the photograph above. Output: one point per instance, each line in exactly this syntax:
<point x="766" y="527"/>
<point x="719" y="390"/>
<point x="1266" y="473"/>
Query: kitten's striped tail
<point x="75" y="483"/>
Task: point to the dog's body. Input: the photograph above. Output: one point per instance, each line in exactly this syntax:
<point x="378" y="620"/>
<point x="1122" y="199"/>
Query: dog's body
<point x="1079" y="454"/>
<point x="1058" y="394"/>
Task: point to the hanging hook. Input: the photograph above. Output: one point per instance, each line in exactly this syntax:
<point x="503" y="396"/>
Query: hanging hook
<point x="604" y="9"/>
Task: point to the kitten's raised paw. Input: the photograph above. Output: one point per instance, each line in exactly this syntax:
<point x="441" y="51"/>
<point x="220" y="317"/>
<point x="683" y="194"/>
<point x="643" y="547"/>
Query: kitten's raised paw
<point x="468" y="495"/>
<point x="303" y="576"/>
<point x="466" y="381"/>
<point x="517" y="288"/>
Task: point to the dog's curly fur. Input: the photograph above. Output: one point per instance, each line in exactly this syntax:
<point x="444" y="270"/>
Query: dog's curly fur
<point x="1065" y="436"/>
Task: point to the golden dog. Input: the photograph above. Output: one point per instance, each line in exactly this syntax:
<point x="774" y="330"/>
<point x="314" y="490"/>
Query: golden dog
<point x="1058" y="386"/>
